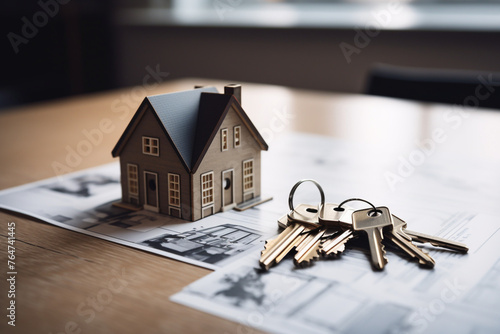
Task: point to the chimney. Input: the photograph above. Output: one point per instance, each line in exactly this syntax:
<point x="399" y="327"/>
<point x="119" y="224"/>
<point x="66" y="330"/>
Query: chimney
<point x="233" y="89"/>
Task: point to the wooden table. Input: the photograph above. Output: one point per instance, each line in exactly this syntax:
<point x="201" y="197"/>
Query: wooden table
<point x="60" y="271"/>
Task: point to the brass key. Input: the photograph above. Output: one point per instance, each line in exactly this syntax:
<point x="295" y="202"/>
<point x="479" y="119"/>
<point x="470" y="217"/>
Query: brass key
<point x="323" y="230"/>
<point x="295" y="244"/>
<point x="303" y="218"/>
<point x="276" y="246"/>
<point x="372" y="221"/>
<point x="437" y="241"/>
<point x="396" y="236"/>
<point x="283" y="221"/>
<point x="308" y="247"/>
<point x="304" y="213"/>
<point x="335" y="245"/>
<point x="308" y="250"/>
<point x="331" y="216"/>
<point x="340" y="218"/>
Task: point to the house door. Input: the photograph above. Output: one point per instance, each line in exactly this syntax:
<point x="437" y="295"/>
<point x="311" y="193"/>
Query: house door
<point x="227" y="188"/>
<point x="151" y="191"/>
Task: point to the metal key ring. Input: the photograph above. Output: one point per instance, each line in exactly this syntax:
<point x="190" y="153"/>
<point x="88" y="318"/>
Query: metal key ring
<point x="292" y="192"/>
<point x="357" y="199"/>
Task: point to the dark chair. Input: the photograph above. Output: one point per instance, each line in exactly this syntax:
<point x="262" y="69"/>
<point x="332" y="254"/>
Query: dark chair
<point x="481" y="89"/>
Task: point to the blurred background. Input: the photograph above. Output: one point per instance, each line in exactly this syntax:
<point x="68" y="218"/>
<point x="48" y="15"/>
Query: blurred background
<point x="58" y="48"/>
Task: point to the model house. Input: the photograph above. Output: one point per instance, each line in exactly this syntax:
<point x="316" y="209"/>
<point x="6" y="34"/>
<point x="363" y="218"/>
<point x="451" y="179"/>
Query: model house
<point x="190" y="154"/>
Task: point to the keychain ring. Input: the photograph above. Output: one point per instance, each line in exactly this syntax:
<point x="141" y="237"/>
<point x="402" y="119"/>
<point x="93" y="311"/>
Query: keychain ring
<point x="292" y="192"/>
<point x="358" y="199"/>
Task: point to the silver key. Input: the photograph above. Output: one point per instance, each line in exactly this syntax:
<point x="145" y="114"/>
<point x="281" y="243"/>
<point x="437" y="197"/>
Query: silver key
<point x="397" y="236"/>
<point x="437" y="241"/>
<point x="372" y="223"/>
<point x="331" y="216"/>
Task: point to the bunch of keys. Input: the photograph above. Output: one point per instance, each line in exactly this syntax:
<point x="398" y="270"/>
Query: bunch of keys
<point x="323" y="231"/>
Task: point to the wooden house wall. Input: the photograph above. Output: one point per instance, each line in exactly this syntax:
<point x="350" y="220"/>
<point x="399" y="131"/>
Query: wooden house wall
<point x="217" y="161"/>
<point x="166" y="162"/>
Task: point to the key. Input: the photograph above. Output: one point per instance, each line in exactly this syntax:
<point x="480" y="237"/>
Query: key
<point x="336" y="244"/>
<point x="304" y="213"/>
<point x="271" y="242"/>
<point x="283" y="224"/>
<point x="283" y="221"/>
<point x="308" y="249"/>
<point x="305" y="218"/>
<point x="396" y="235"/>
<point x="295" y="244"/>
<point x="286" y="240"/>
<point x="331" y="216"/>
<point x="437" y="241"/>
<point x="372" y="223"/>
<point x="337" y="218"/>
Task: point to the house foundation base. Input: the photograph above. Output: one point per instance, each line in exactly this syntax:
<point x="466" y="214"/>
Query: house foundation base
<point x="127" y="206"/>
<point x="253" y="202"/>
<point x="228" y="207"/>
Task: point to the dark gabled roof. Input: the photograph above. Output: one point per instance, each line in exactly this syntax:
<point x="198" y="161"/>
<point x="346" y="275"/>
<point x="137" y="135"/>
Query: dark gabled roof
<point x="178" y="113"/>
<point x="190" y="120"/>
<point x="213" y="110"/>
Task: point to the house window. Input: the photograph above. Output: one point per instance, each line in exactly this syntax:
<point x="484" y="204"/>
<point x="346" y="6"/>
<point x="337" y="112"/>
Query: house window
<point x="174" y="190"/>
<point x="150" y="146"/>
<point x="207" y="188"/>
<point x="248" y="175"/>
<point x="133" y="180"/>
<point x="223" y="139"/>
<point x="237" y="136"/>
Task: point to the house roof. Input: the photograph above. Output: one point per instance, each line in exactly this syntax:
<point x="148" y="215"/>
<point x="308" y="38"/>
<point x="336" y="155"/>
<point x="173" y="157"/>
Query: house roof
<point x="190" y="120"/>
<point x="178" y="113"/>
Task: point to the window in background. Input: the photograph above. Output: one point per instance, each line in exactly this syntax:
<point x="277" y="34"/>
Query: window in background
<point x="416" y="14"/>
